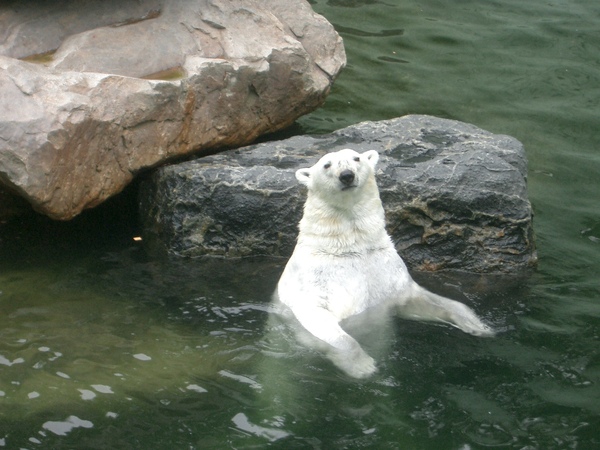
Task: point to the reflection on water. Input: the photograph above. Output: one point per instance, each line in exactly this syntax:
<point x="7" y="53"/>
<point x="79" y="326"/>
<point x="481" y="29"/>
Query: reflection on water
<point x="64" y="427"/>
<point x="105" y="346"/>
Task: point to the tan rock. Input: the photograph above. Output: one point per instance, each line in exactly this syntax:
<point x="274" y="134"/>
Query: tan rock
<point x="115" y="89"/>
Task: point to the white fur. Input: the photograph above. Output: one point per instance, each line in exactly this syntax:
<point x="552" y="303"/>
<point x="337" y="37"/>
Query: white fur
<point x="345" y="263"/>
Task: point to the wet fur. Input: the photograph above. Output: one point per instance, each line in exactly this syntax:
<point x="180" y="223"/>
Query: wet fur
<point x="345" y="263"/>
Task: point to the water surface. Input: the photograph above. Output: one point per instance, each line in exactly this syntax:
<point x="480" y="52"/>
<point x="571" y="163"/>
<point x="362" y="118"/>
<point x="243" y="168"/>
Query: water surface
<point x="105" y="346"/>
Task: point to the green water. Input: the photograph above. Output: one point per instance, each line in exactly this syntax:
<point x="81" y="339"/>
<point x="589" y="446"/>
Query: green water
<point x="103" y="346"/>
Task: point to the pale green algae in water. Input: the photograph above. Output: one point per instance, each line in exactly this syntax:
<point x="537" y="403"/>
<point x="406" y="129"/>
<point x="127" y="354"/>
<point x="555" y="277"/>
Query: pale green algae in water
<point x="104" y="346"/>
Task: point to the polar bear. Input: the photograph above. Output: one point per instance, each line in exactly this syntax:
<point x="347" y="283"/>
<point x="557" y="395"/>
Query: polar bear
<point x="345" y="263"/>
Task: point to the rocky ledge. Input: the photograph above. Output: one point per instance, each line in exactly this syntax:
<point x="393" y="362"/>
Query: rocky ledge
<point x="93" y="91"/>
<point x="455" y="196"/>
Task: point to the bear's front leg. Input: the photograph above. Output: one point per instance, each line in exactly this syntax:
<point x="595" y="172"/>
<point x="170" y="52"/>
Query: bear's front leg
<point x="352" y="360"/>
<point x="342" y="349"/>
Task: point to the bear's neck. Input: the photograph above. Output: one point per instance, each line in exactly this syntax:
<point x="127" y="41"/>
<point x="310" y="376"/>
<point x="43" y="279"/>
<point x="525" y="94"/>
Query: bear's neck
<point x="343" y="226"/>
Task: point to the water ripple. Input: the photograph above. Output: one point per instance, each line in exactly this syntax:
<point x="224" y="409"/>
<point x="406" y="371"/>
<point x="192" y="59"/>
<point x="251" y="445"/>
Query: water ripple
<point x="363" y="33"/>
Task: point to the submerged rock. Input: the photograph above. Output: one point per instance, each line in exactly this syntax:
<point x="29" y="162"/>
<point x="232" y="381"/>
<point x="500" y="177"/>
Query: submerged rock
<point x="93" y="91"/>
<point x="455" y="196"/>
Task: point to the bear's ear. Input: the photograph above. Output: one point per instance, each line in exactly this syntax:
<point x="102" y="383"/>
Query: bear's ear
<point x="371" y="157"/>
<point x="303" y="176"/>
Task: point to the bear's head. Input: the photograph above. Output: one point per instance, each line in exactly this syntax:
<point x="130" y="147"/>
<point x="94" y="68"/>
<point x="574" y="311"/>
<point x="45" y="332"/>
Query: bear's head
<point x="342" y="171"/>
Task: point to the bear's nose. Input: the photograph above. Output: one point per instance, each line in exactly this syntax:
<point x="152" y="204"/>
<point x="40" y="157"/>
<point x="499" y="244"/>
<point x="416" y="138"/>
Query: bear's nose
<point x="347" y="177"/>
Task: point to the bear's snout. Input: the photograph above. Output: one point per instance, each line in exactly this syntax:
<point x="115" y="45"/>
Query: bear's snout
<point x="347" y="177"/>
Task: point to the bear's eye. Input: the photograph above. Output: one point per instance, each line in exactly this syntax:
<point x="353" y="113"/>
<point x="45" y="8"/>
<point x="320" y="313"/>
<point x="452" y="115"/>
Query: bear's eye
<point x="327" y="165"/>
<point x="357" y="158"/>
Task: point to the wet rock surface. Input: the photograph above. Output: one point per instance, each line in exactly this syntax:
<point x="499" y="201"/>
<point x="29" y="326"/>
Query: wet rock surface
<point x="94" y="91"/>
<point x="455" y="196"/>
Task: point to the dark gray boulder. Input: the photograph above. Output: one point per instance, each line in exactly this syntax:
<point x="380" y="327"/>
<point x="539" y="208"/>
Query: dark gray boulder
<point x="455" y="196"/>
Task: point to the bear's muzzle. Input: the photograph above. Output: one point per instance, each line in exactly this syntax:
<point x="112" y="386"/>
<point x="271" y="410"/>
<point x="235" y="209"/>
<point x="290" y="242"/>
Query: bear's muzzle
<point x="347" y="178"/>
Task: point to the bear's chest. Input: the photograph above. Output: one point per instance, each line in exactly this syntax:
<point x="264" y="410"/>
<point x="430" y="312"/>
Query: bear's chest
<point x="349" y="285"/>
